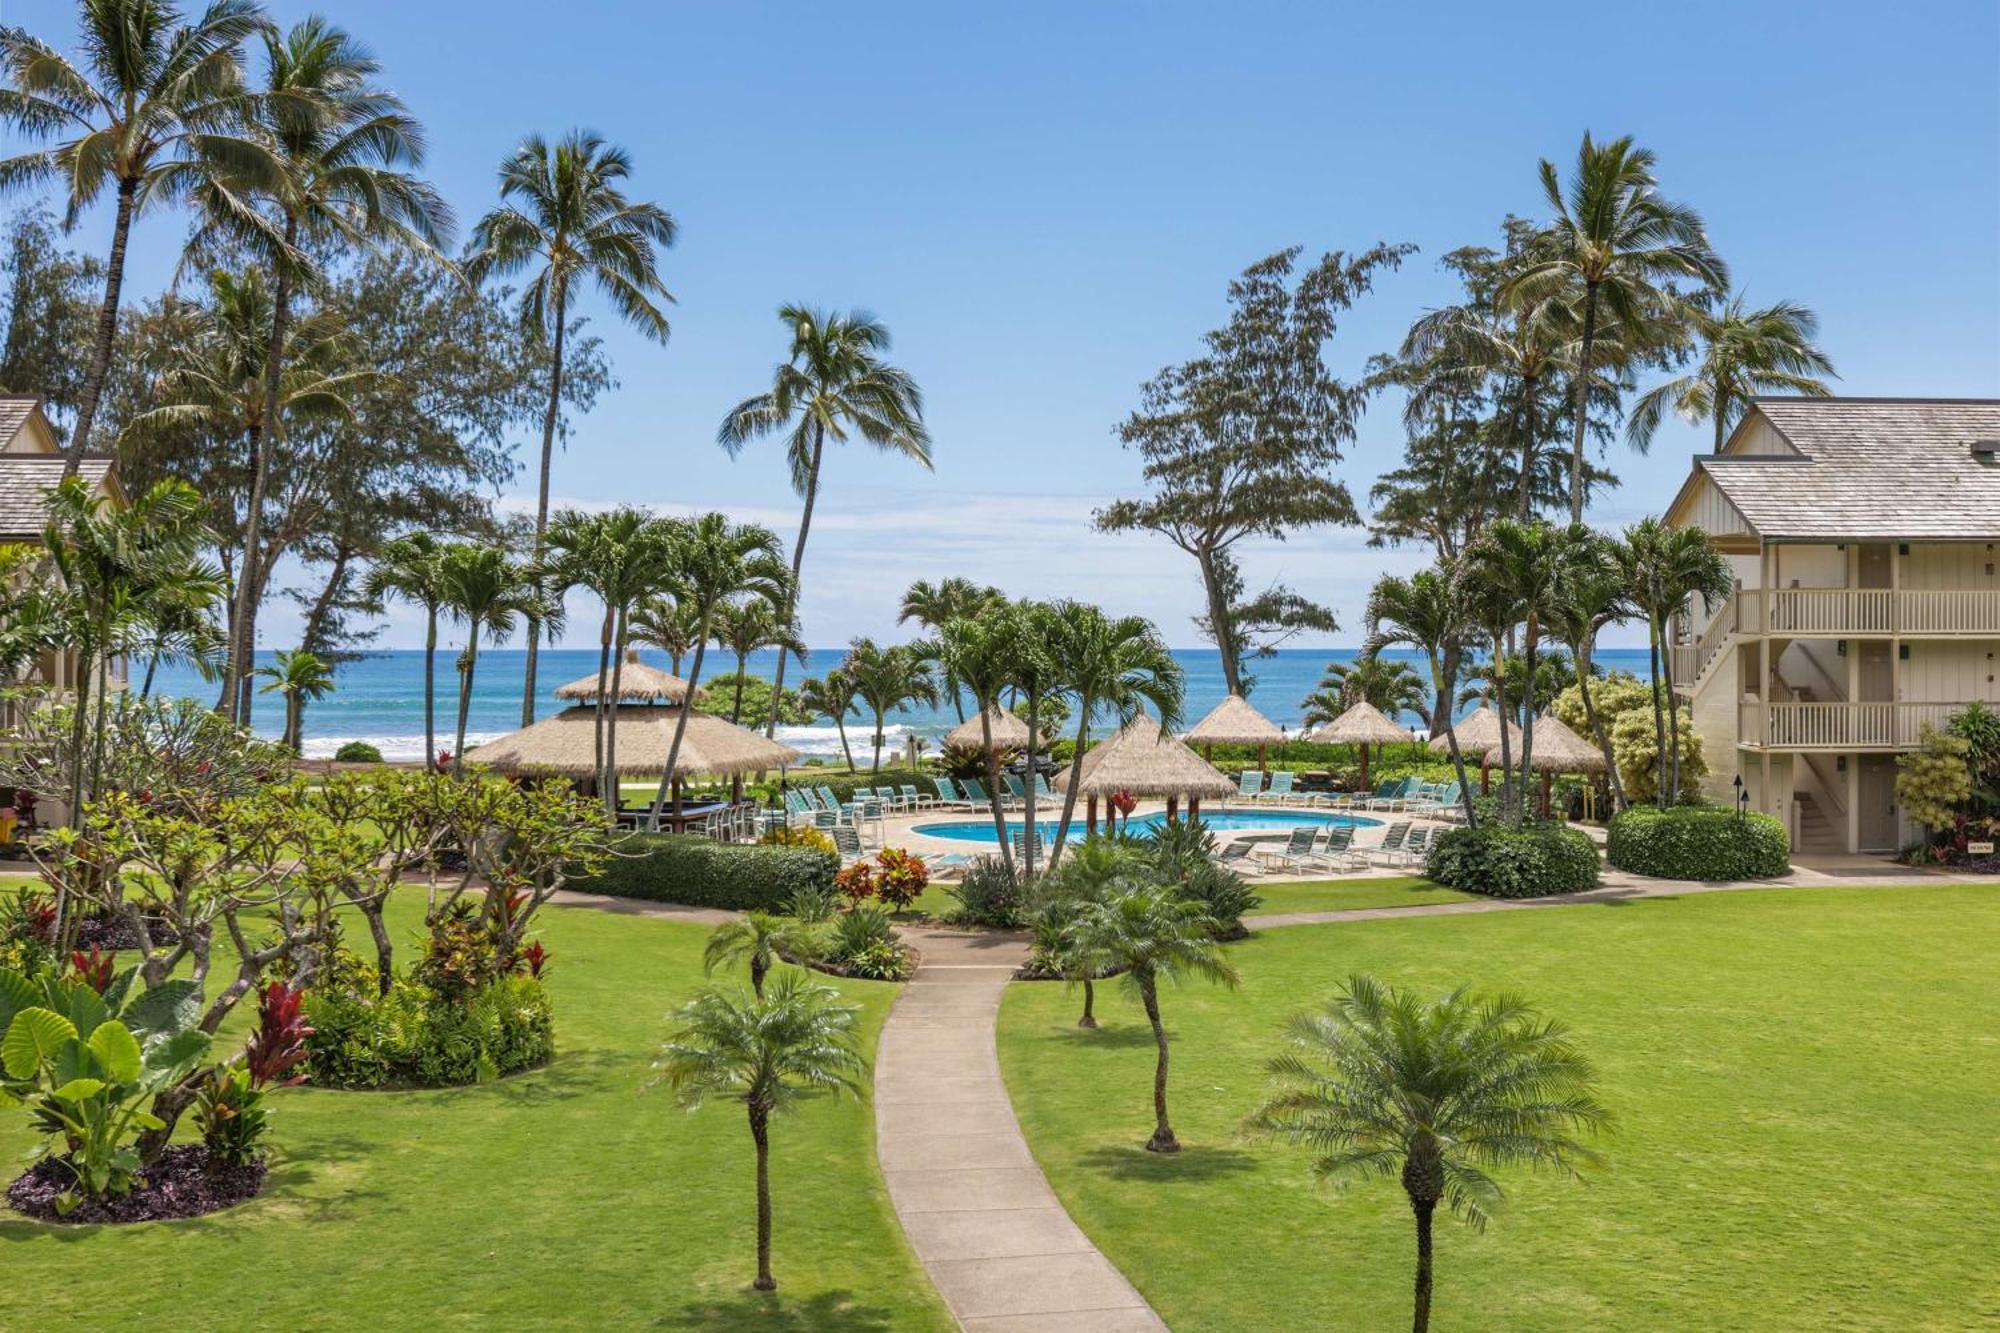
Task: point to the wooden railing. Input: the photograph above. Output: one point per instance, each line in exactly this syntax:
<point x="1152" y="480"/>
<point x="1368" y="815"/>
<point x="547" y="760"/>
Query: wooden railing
<point x="1839" y="726"/>
<point x="1837" y="612"/>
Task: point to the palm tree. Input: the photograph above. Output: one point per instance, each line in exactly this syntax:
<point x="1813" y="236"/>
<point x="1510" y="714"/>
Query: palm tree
<point x="933" y="604"/>
<point x="299" y="676"/>
<point x="1118" y="665"/>
<point x="1150" y="936"/>
<point x="886" y="679"/>
<point x="1098" y="871"/>
<point x="412" y="567"/>
<point x="832" y="697"/>
<point x="1427" y="612"/>
<point x="716" y="561"/>
<point x="1596" y="596"/>
<point x="181" y="622"/>
<point x="665" y="624"/>
<point x="1744" y="352"/>
<point x="761" y="940"/>
<point x="488" y="593"/>
<point x="564" y="212"/>
<point x="745" y="626"/>
<point x="157" y="107"/>
<point x="1435" y="1093"/>
<point x="834" y="382"/>
<point x="1393" y="687"/>
<point x="1613" y="241"/>
<point x="979" y="654"/>
<point x="770" y="1054"/>
<point x="1664" y="569"/>
<point x="341" y="143"/>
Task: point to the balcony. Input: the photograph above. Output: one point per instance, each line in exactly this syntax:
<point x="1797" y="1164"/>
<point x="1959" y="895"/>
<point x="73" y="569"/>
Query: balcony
<point x="1832" y="613"/>
<point x="1838" y="726"/>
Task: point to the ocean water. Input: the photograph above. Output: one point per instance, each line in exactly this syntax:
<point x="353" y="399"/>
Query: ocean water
<point x="380" y="698"/>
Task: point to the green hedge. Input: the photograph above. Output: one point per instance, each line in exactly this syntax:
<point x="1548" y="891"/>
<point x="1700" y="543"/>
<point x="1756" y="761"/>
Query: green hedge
<point x="1698" y="842"/>
<point x="698" y="872"/>
<point x="357" y="752"/>
<point x="413" y="1038"/>
<point x="1503" y="862"/>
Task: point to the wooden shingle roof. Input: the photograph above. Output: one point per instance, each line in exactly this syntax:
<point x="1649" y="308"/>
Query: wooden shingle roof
<point x="25" y="481"/>
<point x="1868" y="469"/>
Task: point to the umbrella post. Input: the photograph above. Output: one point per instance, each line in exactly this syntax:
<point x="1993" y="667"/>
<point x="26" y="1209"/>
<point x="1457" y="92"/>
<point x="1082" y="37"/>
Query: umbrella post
<point x="1173" y="809"/>
<point x="1194" y="808"/>
<point x="1263" y="759"/>
<point x="1364" y="766"/>
<point x="1090" y="815"/>
<point x="1547" y="781"/>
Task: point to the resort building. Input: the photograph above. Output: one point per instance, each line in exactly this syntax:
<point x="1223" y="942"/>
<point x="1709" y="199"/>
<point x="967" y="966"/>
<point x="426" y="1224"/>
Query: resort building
<point x="1863" y="536"/>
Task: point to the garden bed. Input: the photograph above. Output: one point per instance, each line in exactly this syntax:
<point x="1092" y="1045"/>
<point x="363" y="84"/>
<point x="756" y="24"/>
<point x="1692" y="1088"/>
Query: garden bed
<point x="187" y="1181"/>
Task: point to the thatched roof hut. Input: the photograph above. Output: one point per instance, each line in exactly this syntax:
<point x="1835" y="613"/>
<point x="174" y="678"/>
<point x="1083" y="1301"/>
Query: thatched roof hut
<point x="638" y="683"/>
<point x="1364" y="725"/>
<point x="1235" y="722"/>
<point x="1560" y="750"/>
<point x="1479" y="734"/>
<point x="1009" y="732"/>
<point x="1145" y="759"/>
<point x="565" y="745"/>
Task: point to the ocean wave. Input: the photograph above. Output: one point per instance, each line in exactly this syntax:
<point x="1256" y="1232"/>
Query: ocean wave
<point x="395" y="748"/>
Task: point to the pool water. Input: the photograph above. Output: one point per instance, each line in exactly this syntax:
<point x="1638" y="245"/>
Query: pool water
<point x="1220" y="821"/>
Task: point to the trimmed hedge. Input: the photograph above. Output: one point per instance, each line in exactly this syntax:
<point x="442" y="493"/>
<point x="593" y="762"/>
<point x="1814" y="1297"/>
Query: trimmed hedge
<point x="697" y="872"/>
<point x="412" y="1038"/>
<point x="1705" y="842"/>
<point x="1503" y="862"/>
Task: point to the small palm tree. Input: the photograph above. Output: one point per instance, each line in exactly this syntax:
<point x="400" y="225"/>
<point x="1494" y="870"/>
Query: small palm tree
<point x="1098" y="871"/>
<point x="743" y="627"/>
<point x="832" y="697"/>
<point x="1435" y="1093"/>
<point x="1664" y="569"/>
<point x="564" y="213"/>
<point x="834" y="382"/>
<point x="760" y="940"/>
<point x="1427" y="612"/>
<point x="300" y="677"/>
<point x="979" y="653"/>
<point x="886" y="679"/>
<point x="1595" y="597"/>
<point x="488" y="593"/>
<point x="933" y="605"/>
<point x="412" y="567"/>
<point x="1613" y="244"/>
<point x="770" y="1054"/>
<point x="1151" y="936"/>
<point x="663" y="622"/>
<point x="1394" y="687"/>
<point x="157" y="106"/>
<point x="1744" y="352"/>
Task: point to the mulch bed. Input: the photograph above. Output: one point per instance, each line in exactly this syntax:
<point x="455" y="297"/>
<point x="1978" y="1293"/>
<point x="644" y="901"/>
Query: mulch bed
<point x="185" y="1182"/>
<point x="115" y="932"/>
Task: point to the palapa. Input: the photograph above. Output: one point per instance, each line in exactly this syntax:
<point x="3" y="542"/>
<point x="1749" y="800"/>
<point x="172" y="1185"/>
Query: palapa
<point x="1235" y="722"/>
<point x="638" y="683"/>
<point x="565" y="745"/>
<point x="1009" y="732"/>
<point x="1147" y="760"/>
<point x="1560" y="750"/>
<point x="1364" y="725"/>
<point x="1480" y="733"/>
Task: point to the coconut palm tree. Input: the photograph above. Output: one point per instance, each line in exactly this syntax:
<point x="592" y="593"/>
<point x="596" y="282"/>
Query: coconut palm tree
<point x="1150" y="936"/>
<point x="489" y="593"/>
<point x="886" y="679"/>
<point x="1118" y="665"/>
<point x="979" y="652"/>
<point x="1744" y="352"/>
<point x="1436" y="1093"/>
<point x="341" y="143"/>
<point x="1612" y="245"/>
<point x="1664" y="569"/>
<point x="564" y="213"/>
<point x="770" y="1054"/>
<point x="299" y="676"/>
<point x="157" y="107"/>
<point x="833" y="384"/>
<point x="412" y="567"/>
<point x="664" y="623"/>
<point x="1427" y="612"/>
<point x="1394" y="687"/>
<point x="760" y="940"/>
<point x="743" y="627"/>
<point x="1596" y="596"/>
<point x="181" y="622"/>
<point x="716" y="561"/>
<point x="832" y="697"/>
<point x="933" y="604"/>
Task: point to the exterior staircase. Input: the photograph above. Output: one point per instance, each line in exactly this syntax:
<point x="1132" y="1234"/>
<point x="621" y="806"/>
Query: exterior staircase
<point x="1816" y="831"/>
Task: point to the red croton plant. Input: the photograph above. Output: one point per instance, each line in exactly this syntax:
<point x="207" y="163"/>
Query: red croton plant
<point x="278" y="1046"/>
<point x="94" y="969"/>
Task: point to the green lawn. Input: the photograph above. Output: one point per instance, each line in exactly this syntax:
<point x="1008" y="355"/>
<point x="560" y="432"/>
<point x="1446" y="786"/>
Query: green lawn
<point x="1333" y="895"/>
<point x="569" y="1197"/>
<point x="1807" y="1084"/>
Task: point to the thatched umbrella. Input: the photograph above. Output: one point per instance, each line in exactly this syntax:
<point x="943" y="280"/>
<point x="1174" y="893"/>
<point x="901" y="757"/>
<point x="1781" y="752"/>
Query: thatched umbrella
<point x="1009" y="732"/>
<point x="1363" y="725"/>
<point x="565" y="745"/>
<point x="1145" y="759"/>
<point x="638" y="683"/>
<point x="1560" y="750"/>
<point x="1235" y="722"/>
<point x="1480" y="734"/>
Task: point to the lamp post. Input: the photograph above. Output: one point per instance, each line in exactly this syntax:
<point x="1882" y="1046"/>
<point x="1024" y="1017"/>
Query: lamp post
<point x="1742" y="798"/>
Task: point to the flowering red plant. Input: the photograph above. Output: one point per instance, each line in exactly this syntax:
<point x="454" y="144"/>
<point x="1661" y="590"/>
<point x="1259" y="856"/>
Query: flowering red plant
<point x="856" y="881"/>
<point x="535" y="958"/>
<point x="93" y="969"/>
<point x="900" y="877"/>
<point x="1124" y="802"/>
<point x="279" y="1043"/>
<point x="35" y="915"/>
<point x="444" y="759"/>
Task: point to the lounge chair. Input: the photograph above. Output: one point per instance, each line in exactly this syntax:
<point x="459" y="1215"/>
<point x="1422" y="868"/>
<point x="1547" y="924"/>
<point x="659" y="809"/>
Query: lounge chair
<point x="1249" y="784"/>
<point x="847" y="841"/>
<point x="1339" y="853"/>
<point x="1417" y="847"/>
<point x="1389" y="795"/>
<point x="1016" y="794"/>
<point x="892" y="800"/>
<point x="1041" y="847"/>
<point x="1389" y="851"/>
<point x="949" y="797"/>
<point x="914" y="799"/>
<point x="975" y="793"/>
<point x="1280" y="789"/>
<point x="1043" y="791"/>
<point x="1298" y="848"/>
<point x="1231" y="853"/>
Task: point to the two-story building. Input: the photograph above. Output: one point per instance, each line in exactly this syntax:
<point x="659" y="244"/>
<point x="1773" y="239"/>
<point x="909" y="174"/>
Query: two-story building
<point x="1863" y="536"/>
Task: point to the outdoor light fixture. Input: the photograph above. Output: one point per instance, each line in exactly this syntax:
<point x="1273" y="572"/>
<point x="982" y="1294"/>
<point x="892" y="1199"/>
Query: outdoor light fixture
<point x="1742" y="798"/>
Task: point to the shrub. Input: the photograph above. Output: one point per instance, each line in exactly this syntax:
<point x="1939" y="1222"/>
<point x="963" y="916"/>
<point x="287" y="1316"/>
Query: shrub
<point x="1503" y="862"/>
<point x="900" y="877"/>
<point x="357" y="752"/>
<point x="987" y="895"/>
<point x="856" y="882"/>
<point x="1179" y="855"/>
<point x="1935" y="781"/>
<point x="1698" y="842"/>
<point x="798" y="837"/>
<point x="672" y="868"/>
<point x="862" y="943"/>
<point x="412" y="1037"/>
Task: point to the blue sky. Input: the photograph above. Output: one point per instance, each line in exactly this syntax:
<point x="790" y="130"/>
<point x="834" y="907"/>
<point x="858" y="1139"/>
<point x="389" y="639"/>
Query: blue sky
<point x="1045" y="203"/>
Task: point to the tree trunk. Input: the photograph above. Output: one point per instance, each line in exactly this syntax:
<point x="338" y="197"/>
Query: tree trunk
<point x="736" y="707"/>
<point x="1597" y="729"/>
<point x="1582" y="404"/>
<point x="430" y="687"/>
<point x="798" y="565"/>
<point x="1527" y="721"/>
<point x="760" y="1131"/>
<point x="107" y="329"/>
<point x="1089" y="1019"/>
<point x="465" y="695"/>
<point x="1420" y="1321"/>
<point x="613" y="793"/>
<point x="1163" y="1139"/>
<point x="993" y="782"/>
<point x="1084" y="704"/>
<point x="549" y="418"/>
<point x="876" y="767"/>
<point x="1439" y="683"/>
<point x="1218" y="620"/>
<point x="1673" y="727"/>
<point x="1526" y="425"/>
<point x="1660" y="722"/>
<point x="840" y="725"/>
<point x="1503" y="708"/>
<point x="680" y="725"/>
<point x="385" y="948"/>
<point x="1029" y="786"/>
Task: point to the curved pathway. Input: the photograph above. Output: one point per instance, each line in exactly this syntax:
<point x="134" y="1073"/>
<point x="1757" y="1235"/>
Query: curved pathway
<point x="976" y="1207"/>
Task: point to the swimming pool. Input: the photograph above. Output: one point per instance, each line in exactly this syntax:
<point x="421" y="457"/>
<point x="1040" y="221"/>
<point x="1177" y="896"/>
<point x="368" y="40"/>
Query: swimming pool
<point x="1221" y="821"/>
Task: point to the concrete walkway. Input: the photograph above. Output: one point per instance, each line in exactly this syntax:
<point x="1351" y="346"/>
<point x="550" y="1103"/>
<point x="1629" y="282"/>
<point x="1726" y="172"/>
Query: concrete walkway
<point x="978" y="1211"/>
